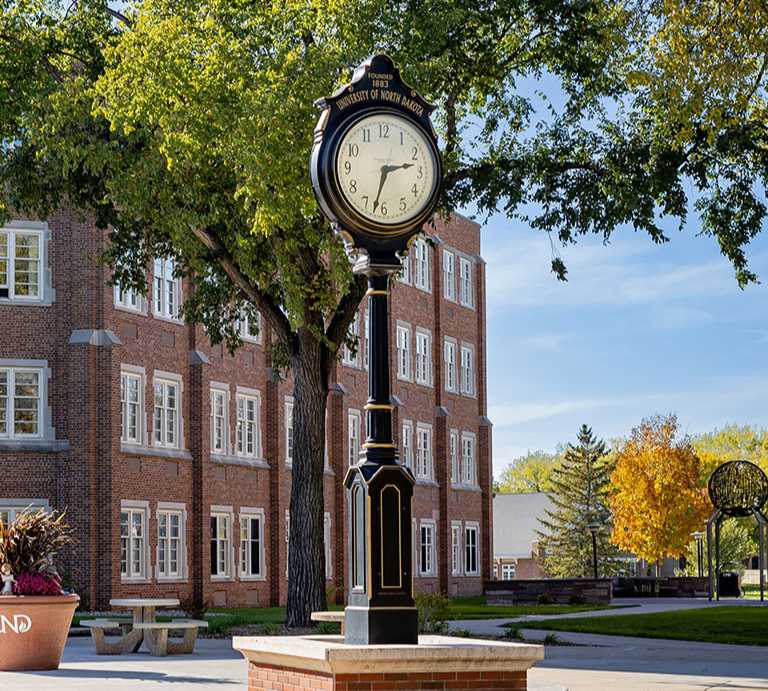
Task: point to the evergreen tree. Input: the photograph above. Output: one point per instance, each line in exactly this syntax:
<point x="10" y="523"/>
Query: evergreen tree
<point x="579" y="495"/>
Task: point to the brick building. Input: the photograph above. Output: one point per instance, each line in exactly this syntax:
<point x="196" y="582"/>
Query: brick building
<point x="174" y="457"/>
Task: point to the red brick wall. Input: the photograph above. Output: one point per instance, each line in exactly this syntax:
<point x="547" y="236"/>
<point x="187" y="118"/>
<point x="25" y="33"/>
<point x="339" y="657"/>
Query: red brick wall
<point x="94" y="475"/>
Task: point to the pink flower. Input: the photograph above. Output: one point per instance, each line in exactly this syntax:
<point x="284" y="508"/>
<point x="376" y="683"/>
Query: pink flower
<point x="37" y="584"/>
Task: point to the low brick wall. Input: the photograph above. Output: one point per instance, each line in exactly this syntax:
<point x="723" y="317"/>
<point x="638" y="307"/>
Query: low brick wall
<point x="264" y="677"/>
<point x="673" y="586"/>
<point x="561" y="591"/>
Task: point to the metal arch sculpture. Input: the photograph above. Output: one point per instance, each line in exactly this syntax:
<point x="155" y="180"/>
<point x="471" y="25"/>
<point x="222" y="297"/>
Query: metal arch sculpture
<point x="737" y="489"/>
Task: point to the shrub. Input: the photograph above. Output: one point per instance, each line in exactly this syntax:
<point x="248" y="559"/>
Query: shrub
<point x="30" y="543"/>
<point x="546" y="599"/>
<point x="433" y="611"/>
<point x="577" y="599"/>
<point x="37" y="584"/>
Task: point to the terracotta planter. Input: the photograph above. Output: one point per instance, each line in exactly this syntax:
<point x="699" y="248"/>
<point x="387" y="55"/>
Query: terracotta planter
<point x="33" y="631"/>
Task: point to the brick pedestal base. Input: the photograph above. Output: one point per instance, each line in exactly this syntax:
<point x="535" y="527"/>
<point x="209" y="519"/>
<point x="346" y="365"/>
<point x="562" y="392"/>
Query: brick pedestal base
<point x="438" y="663"/>
<point x="263" y="677"/>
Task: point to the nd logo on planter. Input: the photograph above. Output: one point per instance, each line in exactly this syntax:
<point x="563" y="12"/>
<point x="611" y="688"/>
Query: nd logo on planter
<point x="20" y="623"/>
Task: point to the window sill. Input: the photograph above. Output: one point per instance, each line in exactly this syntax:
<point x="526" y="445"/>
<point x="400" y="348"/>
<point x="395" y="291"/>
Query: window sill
<point x="222" y="579"/>
<point x="137" y="450"/>
<point x="129" y="580"/>
<point x="463" y="487"/>
<point x="228" y="459"/>
<point x="172" y="579"/>
<point x="426" y="481"/>
<point x="253" y="579"/>
<point x="170" y="320"/>
<point x="19" y="302"/>
<point x="469" y="306"/>
<point x="131" y="310"/>
<point x="50" y="445"/>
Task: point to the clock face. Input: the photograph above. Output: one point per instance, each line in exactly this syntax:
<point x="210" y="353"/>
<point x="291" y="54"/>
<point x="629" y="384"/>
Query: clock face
<point x="386" y="169"/>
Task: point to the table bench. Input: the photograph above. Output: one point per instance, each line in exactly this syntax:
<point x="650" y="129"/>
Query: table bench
<point x="156" y="636"/>
<point x="128" y="642"/>
<point x="333" y="617"/>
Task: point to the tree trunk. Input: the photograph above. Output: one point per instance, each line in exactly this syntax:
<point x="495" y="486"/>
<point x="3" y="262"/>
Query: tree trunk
<point x="306" y="553"/>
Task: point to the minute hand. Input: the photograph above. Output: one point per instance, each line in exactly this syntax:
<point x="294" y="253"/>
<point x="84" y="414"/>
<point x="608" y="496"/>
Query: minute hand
<point x="385" y="171"/>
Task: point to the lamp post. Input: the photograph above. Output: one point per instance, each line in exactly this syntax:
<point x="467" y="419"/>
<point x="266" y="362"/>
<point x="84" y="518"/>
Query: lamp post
<point x="593" y="528"/>
<point x="698" y="535"/>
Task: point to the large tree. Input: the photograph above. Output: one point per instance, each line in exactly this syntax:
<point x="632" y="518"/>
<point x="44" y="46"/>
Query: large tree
<point x="579" y="489"/>
<point x="657" y="500"/>
<point x="184" y="127"/>
<point x="529" y="473"/>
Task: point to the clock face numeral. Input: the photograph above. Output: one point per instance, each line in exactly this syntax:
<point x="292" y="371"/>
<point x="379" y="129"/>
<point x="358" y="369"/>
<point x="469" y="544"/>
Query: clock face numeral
<point x="386" y="169"/>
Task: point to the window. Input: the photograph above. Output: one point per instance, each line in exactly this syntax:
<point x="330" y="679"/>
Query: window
<point x="21" y="402"/>
<point x="467" y="370"/>
<point x="449" y="275"/>
<point x="468" y="459"/>
<point x="167" y="287"/>
<point x="423" y="358"/>
<point x="127" y="298"/>
<point x="133" y="543"/>
<point x="466" y="297"/>
<point x="249" y="426"/>
<point x="170" y="526"/>
<point x="403" y="353"/>
<point x="408" y="445"/>
<point x="21" y="265"/>
<point x="427" y="560"/>
<point x="131" y="398"/>
<point x="327" y="543"/>
<point x="366" y="339"/>
<point x="353" y="436"/>
<point x="453" y="455"/>
<point x="455" y="549"/>
<point x="451" y="383"/>
<point x="347" y="356"/>
<point x="289" y="432"/>
<point x="405" y="274"/>
<point x="251" y="544"/>
<point x="508" y="572"/>
<point x="220" y="544"/>
<point x="249" y="327"/>
<point x="423" y="452"/>
<point x="470" y="551"/>
<point x="10" y="508"/>
<point x="421" y="264"/>
<point x="219" y="426"/>
<point x="166" y="420"/>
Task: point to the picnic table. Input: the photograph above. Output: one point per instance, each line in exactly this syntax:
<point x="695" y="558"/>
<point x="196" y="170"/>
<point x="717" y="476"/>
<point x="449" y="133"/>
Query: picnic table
<point x="333" y="617"/>
<point x="144" y="629"/>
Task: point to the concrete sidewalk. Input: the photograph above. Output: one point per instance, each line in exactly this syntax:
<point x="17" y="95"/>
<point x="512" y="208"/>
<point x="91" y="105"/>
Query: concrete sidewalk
<point x="491" y="627"/>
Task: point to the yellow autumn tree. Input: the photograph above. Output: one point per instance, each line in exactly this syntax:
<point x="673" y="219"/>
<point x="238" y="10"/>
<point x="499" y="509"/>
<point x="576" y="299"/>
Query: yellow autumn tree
<point x="657" y="499"/>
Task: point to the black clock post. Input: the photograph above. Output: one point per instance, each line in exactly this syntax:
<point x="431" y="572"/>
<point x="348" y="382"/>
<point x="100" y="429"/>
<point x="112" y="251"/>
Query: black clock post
<point x="380" y="605"/>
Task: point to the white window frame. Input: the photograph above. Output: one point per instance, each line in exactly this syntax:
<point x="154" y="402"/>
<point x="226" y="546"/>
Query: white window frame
<point x="166" y="380"/>
<point x="10" y="259"/>
<point x="246" y="572"/>
<point x="468" y="460"/>
<point x="129" y="300"/>
<point x="466" y="291"/>
<point x="469" y="528"/>
<point x="219" y="396"/>
<point x="424" y="453"/>
<point x="244" y="326"/>
<point x="423" y="357"/>
<point x="354" y="436"/>
<point x="454" y="456"/>
<point x="132" y="372"/>
<point x="449" y="275"/>
<point x="226" y="514"/>
<point x="10" y="508"/>
<point x="467" y="369"/>
<point x="11" y="373"/>
<point x="328" y="545"/>
<point x="347" y="358"/>
<point x="288" y="438"/>
<point x="457" y="555"/>
<point x="168" y="510"/>
<point x="407" y="444"/>
<point x="509" y="568"/>
<point x="366" y="343"/>
<point x="164" y="283"/>
<point x="450" y="349"/>
<point x="141" y="575"/>
<point x="405" y="274"/>
<point x="403" y="340"/>
<point x="421" y="265"/>
<point x="246" y="396"/>
<point x="428" y="556"/>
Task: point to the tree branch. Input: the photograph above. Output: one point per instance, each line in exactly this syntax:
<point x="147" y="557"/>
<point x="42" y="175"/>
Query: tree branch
<point x="120" y="17"/>
<point x="264" y="303"/>
<point x="344" y="313"/>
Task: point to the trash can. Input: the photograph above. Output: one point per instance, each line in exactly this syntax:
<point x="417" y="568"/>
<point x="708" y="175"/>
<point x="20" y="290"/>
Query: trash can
<point x="728" y="585"/>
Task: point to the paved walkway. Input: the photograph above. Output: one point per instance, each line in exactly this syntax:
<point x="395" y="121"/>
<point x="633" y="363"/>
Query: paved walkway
<point x="490" y="627"/>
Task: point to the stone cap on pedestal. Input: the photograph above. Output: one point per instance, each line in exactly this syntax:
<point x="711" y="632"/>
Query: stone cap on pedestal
<point x="330" y="655"/>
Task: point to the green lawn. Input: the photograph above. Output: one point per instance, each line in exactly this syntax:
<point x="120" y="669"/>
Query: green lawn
<point x="739" y="625"/>
<point x="475" y="608"/>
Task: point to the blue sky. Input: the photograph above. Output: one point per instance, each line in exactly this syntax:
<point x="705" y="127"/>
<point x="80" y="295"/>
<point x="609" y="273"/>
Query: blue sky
<point x="637" y="329"/>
